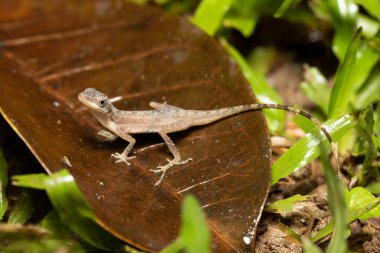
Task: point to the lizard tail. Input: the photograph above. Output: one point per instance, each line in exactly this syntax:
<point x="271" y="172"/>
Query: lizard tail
<point x="308" y="116"/>
<point x="217" y="114"/>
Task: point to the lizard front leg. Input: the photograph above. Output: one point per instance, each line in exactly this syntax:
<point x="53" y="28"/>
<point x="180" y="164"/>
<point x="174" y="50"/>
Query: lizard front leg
<point x="123" y="157"/>
<point x="177" y="158"/>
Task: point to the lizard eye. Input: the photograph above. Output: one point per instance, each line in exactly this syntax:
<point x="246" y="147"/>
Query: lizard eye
<point x="102" y="102"/>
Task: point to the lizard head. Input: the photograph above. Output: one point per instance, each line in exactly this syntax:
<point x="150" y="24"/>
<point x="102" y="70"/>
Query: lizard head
<point x="95" y="101"/>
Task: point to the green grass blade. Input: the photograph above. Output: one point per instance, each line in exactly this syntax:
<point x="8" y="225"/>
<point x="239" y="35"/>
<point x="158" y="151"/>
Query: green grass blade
<point x="194" y="231"/>
<point x="60" y="233"/>
<point x="287" y="205"/>
<point x="305" y="124"/>
<point x="374" y="188"/>
<point x="370" y="26"/>
<point x="361" y="204"/>
<point x="371" y="6"/>
<point x="23" y="208"/>
<point x="35" y="181"/>
<point x="337" y="205"/>
<point x="53" y="223"/>
<point x="366" y="59"/>
<point x="370" y="91"/>
<point x="175" y="247"/>
<point x="3" y="184"/>
<point x="365" y="130"/>
<point x="16" y="238"/>
<point x="262" y="90"/>
<point x="244" y="14"/>
<point x="72" y="207"/>
<point x="316" y="89"/>
<point x="306" y="149"/>
<point x="343" y="15"/>
<point x="194" y="235"/>
<point x="344" y="85"/>
<point x="286" y="4"/>
<point x="377" y="126"/>
<point x="310" y="247"/>
<point x="245" y="24"/>
<point x="209" y="14"/>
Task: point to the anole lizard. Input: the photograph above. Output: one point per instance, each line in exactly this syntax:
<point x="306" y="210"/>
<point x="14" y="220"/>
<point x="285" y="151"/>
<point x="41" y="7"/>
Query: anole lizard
<point x="166" y="119"/>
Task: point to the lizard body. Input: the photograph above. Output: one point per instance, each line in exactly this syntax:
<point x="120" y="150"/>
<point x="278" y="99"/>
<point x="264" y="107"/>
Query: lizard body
<point x="165" y="119"/>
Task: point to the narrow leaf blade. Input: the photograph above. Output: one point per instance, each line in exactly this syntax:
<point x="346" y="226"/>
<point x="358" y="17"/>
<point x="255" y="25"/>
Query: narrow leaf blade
<point x="337" y="205"/>
<point x="264" y="92"/>
<point x="72" y="207"/>
<point x="23" y="209"/>
<point x="344" y="85"/>
<point x="306" y="149"/>
<point x="194" y="231"/>
<point x="286" y="4"/>
<point x="209" y="14"/>
<point x="3" y="184"/>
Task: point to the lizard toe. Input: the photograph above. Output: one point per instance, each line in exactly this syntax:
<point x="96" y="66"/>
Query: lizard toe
<point x="122" y="158"/>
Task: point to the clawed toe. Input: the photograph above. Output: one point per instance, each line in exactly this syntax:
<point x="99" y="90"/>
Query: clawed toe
<point x="122" y="158"/>
<point x="164" y="168"/>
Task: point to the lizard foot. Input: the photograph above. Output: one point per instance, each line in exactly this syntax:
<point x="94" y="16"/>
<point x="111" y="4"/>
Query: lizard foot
<point x="162" y="169"/>
<point x="122" y="158"/>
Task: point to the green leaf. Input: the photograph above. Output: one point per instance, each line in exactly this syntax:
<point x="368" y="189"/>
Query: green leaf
<point x="366" y="121"/>
<point x="365" y="129"/>
<point x="316" y="89"/>
<point x="377" y="127"/>
<point x="344" y="85"/>
<point x="244" y="14"/>
<point x="244" y="24"/>
<point x="374" y="188"/>
<point x="370" y="91"/>
<point x="337" y="205"/>
<point x="374" y="43"/>
<point x="286" y="4"/>
<point x="309" y="246"/>
<point x="209" y="14"/>
<point x="71" y="206"/>
<point x="342" y="14"/>
<point x="29" y="238"/>
<point x="264" y="92"/>
<point x="305" y="124"/>
<point x="35" y="181"/>
<point x="371" y="6"/>
<point x="286" y="205"/>
<point x="306" y="149"/>
<point x="366" y="59"/>
<point x="23" y="208"/>
<point x="194" y="230"/>
<point x="175" y="247"/>
<point x="53" y="223"/>
<point x="60" y="233"/>
<point x="370" y="26"/>
<point x="194" y="235"/>
<point x="361" y="205"/>
<point x="261" y="58"/>
<point x="3" y="184"/>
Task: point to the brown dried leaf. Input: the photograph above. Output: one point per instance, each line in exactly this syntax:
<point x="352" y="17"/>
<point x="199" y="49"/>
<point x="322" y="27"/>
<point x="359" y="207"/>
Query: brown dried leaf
<point x="52" y="50"/>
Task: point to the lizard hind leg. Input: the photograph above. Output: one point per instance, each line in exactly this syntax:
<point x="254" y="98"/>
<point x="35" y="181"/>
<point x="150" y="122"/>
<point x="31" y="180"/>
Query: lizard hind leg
<point x="177" y="158"/>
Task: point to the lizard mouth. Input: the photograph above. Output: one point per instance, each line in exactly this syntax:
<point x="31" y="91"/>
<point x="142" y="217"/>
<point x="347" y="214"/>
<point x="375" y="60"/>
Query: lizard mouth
<point x="86" y="101"/>
<point x="82" y="98"/>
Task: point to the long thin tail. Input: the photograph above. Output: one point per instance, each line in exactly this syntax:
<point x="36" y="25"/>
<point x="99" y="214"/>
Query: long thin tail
<point x="217" y="114"/>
